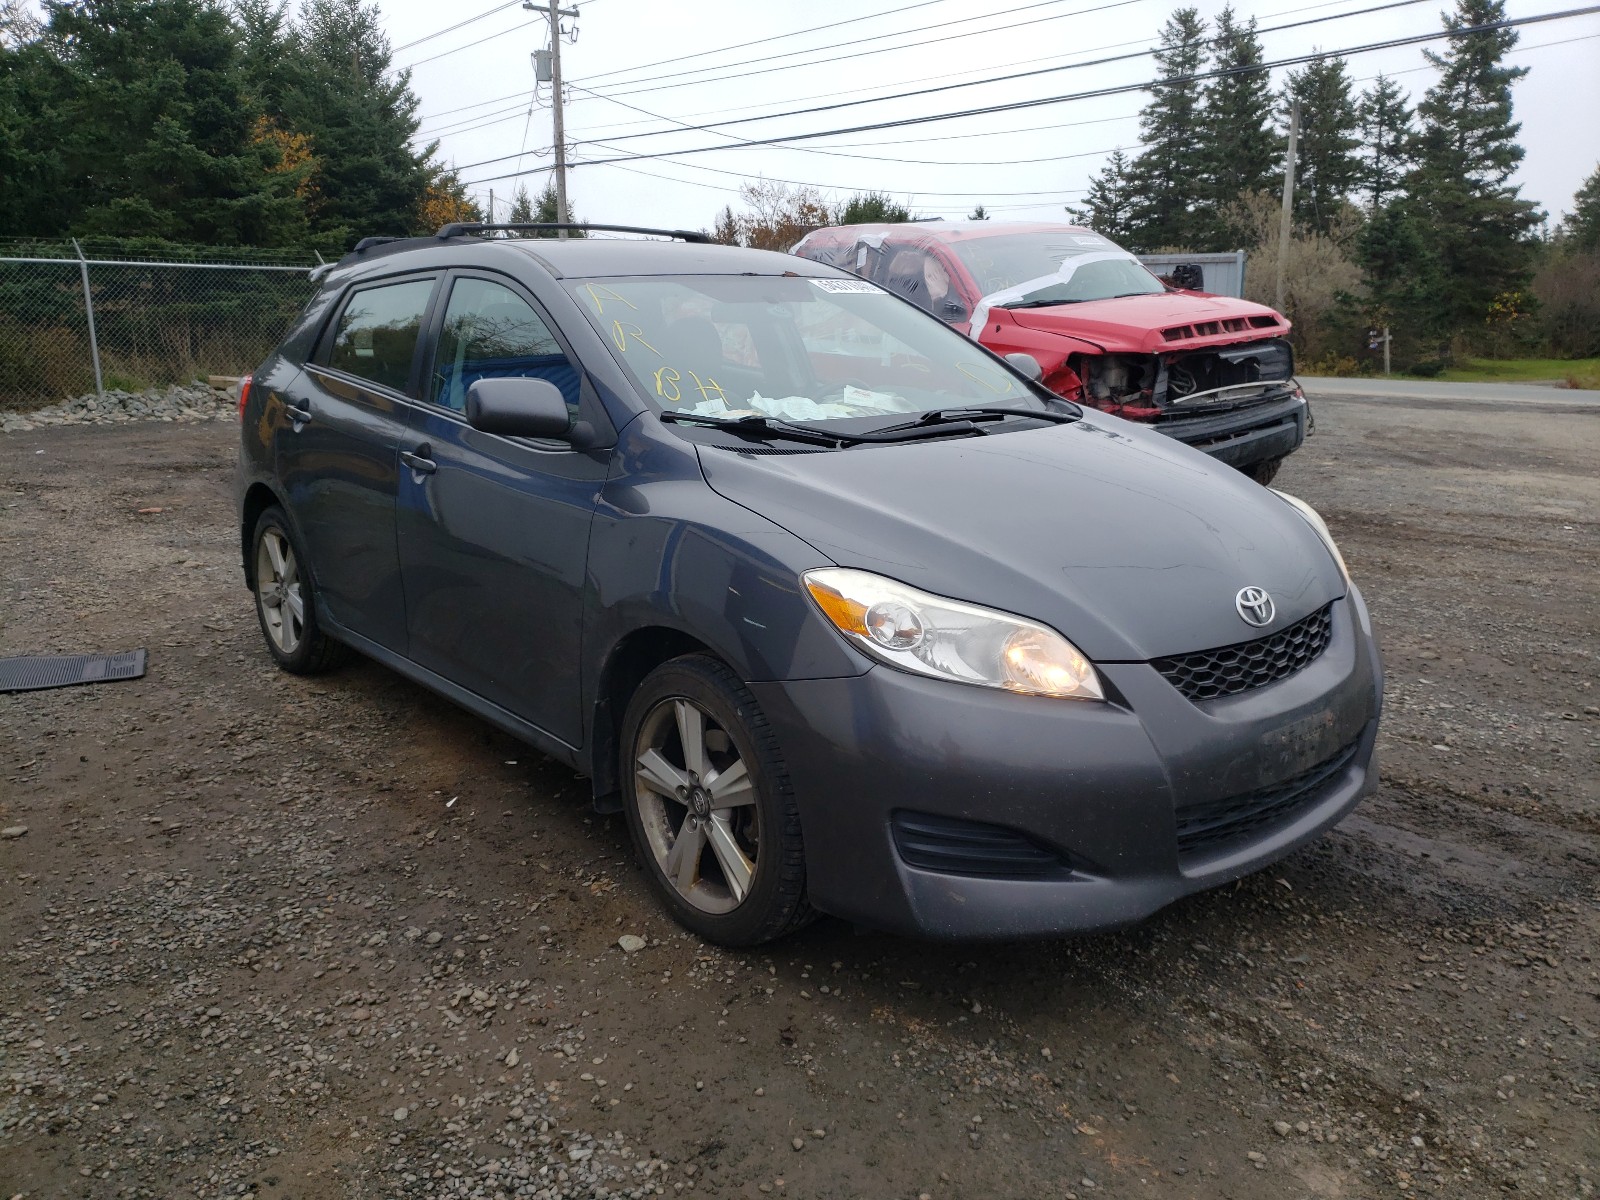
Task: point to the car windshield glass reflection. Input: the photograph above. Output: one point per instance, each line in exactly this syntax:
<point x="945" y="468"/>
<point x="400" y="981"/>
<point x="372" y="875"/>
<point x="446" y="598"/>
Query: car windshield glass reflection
<point x="790" y="348"/>
<point x="1061" y="267"/>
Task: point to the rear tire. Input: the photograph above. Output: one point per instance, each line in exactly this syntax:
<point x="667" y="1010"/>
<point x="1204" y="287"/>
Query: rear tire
<point x="286" y="600"/>
<point x="1265" y="471"/>
<point x="709" y="805"/>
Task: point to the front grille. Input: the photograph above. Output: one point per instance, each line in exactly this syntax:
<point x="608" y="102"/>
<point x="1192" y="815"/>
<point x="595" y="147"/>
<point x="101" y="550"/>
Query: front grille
<point x="1228" y="670"/>
<point x="957" y="847"/>
<point x="1204" y="827"/>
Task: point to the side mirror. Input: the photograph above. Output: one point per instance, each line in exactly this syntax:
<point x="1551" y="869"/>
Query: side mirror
<point x="531" y="408"/>
<point x="1028" y="365"/>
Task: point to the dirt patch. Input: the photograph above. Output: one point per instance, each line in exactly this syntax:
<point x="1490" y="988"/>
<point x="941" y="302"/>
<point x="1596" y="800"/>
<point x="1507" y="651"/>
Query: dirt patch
<point x="274" y="937"/>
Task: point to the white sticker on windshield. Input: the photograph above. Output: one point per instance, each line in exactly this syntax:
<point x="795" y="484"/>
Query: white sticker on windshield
<point x="846" y="285"/>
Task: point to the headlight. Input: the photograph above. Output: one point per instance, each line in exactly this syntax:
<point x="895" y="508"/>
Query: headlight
<point x="946" y="639"/>
<point x="1314" y="519"/>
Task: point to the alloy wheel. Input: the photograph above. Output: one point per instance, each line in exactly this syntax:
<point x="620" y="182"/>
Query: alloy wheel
<point x="278" y="591"/>
<point x="697" y="805"/>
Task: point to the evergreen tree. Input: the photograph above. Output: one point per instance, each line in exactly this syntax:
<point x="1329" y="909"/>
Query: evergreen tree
<point x="727" y="232"/>
<point x="1478" y="225"/>
<point x="546" y="210"/>
<point x="521" y="206"/>
<point x="1241" y="152"/>
<point x="1386" y="136"/>
<point x="1107" y="205"/>
<point x="1404" y="287"/>
<point x="1580" y="231"/>
<point x="1165" y="179"/>
<point x="978" y="214"/>
<point x="337" y="88"/>
<point x="1326" y="166"/>
<point x="134" y="119"/>
<point x="865" y="208"/>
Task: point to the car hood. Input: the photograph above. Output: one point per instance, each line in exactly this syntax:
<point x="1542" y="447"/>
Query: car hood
<point x="1163" y="322"/>
<point x="1131" y="545"/>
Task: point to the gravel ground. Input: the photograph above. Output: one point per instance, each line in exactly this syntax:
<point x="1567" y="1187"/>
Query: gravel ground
<point x="271" y="937"/>
<point x="197" y="402"/>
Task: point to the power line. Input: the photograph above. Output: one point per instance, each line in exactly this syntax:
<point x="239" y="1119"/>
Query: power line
<point x="466" y="46"/>
<point x="830" y="187"/>
<point x="1097" y="93"/>
<point x="428" y="37"/>
<point x="777" y="37"/>
<point x="832" y="153"/>
<point x="877" y="87"/>
<point x="1077" y="66"/>
<point x="770" y="58"/>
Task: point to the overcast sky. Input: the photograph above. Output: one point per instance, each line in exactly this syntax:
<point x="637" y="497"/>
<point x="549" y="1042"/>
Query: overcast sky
<point x="639" y="66"/>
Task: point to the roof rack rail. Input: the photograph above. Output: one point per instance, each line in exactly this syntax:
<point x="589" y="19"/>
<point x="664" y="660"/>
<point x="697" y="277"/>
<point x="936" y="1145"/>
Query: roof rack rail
<point x="367" y="243"/>
<point x="458" y="228"/>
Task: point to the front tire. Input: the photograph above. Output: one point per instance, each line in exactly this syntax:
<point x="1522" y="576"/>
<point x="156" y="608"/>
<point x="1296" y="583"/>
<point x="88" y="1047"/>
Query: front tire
<point x="1265" y="471"/>
<point x="709" y="805"/>
<point x="286" y="600"/>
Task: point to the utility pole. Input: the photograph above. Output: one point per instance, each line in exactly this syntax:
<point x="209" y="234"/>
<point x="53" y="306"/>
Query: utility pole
<point x="1288" y="200"/>
<point x="558" y="128"/>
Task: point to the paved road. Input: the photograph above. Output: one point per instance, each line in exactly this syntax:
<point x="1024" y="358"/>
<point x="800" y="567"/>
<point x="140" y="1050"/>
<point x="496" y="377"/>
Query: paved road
<point x="1432" y="389"/>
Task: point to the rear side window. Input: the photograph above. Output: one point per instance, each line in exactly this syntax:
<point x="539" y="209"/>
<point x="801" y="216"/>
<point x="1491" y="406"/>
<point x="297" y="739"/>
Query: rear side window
<point x="376" y="337"/>
<point x="490" y="332"/>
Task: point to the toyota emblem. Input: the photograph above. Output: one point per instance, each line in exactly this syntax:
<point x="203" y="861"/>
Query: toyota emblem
<point x="1255" y="606"/>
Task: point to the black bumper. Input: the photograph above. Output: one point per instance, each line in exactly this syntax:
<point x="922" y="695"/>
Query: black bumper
<point x="1098" y="791"/>
<point x="1241" y="437"/>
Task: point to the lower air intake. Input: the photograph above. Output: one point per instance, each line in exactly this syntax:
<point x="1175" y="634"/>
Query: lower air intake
<point x="954" y="846"/>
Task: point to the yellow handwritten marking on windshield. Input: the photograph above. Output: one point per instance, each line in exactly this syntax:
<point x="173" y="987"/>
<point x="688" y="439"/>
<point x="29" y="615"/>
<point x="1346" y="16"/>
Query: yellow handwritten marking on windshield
<point x="984" y="377"/>
<point x="668" y="377"/>
<point x="708" y="386"/>
<point x="598" y="293"/>
<point x="620" y="334"/>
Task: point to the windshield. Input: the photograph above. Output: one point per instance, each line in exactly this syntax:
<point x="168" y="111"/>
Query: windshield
<point x="1063" y="267"/>
<point x="788" y="347"/>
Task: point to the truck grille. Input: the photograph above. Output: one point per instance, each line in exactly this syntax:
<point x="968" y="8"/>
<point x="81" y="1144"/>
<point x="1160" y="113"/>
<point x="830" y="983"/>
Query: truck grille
<point x="1228" y="670"/>
<point x="1204" y="827"/>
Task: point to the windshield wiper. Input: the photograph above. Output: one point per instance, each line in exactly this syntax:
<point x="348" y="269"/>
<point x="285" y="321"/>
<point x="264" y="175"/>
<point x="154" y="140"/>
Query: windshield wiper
<point x="941" y="419"/>
<point x="1038" y="303"/>
<point x="760" y="427"/>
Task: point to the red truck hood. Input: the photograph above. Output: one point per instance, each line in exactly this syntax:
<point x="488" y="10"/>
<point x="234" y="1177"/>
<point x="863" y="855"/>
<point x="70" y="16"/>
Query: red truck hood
<point x="1162" y="322"/>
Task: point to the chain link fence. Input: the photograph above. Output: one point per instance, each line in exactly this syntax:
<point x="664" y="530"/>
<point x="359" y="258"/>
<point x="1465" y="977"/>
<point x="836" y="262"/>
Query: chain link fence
<point x="73" y="321"/>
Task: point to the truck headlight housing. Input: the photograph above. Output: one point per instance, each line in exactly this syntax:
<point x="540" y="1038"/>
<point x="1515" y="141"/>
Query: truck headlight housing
<point x="948" y="639"/>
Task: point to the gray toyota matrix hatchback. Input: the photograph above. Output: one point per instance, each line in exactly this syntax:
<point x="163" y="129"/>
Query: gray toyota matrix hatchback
<point x="844" y="613"/>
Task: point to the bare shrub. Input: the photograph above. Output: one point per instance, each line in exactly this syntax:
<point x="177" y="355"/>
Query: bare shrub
<point x="779" y="215"/>
<point x="1568" y="291"/>
<point x="1319" y="271"/>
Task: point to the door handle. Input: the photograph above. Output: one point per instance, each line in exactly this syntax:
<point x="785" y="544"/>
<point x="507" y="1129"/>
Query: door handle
<point x="299" y="414"/>
<point x="419" y="462"/>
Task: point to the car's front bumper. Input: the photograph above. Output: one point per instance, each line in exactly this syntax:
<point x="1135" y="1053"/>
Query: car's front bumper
<point x="1100" y="786"/>
<point x="1244" y="436"/>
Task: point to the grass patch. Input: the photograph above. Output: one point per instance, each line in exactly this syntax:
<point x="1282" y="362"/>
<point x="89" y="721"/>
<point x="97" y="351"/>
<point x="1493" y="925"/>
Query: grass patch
<point x="1578" y="372"/>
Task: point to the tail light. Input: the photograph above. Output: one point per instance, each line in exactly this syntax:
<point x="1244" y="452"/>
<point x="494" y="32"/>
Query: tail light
<point x="244" y="394"/>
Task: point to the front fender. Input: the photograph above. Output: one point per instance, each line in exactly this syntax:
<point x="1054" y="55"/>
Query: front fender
<point x="675" y="562"/>
<point x="667" y="551"/>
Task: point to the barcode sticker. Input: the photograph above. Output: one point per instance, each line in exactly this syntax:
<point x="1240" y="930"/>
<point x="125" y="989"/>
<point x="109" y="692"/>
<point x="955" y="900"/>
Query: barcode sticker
<point x="846" y="285"/>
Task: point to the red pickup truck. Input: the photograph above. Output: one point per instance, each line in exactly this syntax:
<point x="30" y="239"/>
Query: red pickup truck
<point x="1214" y="372"/>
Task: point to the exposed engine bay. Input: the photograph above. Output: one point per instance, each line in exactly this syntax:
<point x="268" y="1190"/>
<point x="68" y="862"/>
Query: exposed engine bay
<point x="1219" y="374"/>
